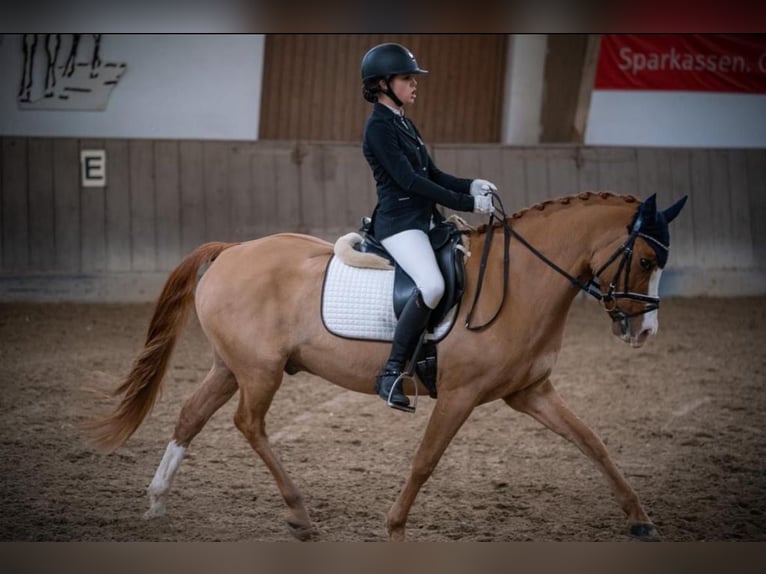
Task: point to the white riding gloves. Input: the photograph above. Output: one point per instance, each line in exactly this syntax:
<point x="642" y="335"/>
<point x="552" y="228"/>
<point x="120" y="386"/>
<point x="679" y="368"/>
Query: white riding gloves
<point x="482" y="187"/>
<point x="483" y="204"/>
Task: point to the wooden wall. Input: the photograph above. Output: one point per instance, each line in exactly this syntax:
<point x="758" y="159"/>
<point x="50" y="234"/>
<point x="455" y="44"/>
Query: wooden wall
<point x="163" y="198"/>
<point x="314" y="86"/>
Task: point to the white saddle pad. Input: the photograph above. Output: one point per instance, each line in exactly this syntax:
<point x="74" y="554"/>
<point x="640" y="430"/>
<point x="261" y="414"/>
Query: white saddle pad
<point x="358" y="303"/>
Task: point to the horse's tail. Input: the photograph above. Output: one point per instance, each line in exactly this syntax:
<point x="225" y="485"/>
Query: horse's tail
<point x="142" y="386"/>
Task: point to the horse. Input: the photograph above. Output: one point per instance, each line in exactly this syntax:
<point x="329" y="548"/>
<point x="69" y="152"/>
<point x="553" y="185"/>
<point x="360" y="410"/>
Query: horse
<point x="258" y="303"/>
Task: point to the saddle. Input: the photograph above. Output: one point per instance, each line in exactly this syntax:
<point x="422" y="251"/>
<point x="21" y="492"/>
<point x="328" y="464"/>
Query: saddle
<point x="447" y="244"/>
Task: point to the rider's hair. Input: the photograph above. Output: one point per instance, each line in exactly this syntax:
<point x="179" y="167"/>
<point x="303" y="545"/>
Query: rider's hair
<point x="371" y="89"/>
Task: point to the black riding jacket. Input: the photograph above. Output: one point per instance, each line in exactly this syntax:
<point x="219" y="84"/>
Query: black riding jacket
<point x="409" y="185"/>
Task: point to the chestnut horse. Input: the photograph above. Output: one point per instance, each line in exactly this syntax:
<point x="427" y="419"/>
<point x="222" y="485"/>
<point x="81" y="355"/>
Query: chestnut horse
<point x="258" y="303"/>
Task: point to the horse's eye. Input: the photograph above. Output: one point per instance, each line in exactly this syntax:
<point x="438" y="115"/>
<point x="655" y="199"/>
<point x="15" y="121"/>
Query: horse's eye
<point x="646" y="264"/>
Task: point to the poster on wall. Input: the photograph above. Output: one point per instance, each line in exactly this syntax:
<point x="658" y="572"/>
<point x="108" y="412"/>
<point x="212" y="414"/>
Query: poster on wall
<point x="687" y="90"/>
<point x="65" y="72"/>
<point x="684" y="62"/>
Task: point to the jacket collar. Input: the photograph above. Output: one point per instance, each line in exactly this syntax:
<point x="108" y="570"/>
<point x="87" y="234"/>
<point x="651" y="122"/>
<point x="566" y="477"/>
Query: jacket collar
<point x="399" y="121"/>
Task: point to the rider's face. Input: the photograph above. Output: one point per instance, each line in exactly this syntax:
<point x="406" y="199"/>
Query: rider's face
<point x="405" y="88"/>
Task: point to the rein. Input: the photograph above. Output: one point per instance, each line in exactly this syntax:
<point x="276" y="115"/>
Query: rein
<point x="507" y="231"/>
<point x="592" y="287"/>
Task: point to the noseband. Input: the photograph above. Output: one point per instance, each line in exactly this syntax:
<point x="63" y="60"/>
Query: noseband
<point x="610" y="298"/>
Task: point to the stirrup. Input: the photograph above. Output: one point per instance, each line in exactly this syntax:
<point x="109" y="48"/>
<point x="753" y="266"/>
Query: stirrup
<point x="400" y="380"/>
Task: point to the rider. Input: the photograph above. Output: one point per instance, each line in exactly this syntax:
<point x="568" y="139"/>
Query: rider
<point x="409" y="187"/>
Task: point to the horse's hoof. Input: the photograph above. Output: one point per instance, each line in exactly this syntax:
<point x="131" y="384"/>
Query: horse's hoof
<point x="396" y="535"/>
<point x="301" y="531"/>
<point x="645" y="532"/>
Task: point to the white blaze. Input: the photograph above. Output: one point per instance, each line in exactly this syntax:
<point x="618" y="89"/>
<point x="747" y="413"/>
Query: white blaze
<point x="650" y="322"/>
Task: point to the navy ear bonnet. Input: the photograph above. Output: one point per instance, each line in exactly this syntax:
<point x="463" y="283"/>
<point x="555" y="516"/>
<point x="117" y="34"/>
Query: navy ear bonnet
<point x="653" y="225"/>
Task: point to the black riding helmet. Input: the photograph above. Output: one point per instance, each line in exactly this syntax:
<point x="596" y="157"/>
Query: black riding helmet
<point x="385" y="61"/>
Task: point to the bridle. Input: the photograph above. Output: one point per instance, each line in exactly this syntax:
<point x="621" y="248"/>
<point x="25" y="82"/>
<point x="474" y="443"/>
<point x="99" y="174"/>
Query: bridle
<point x="610" y="298"/>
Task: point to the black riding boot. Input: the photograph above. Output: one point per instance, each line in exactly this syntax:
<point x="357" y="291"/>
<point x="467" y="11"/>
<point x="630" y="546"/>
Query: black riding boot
<point x="412" y="322"/>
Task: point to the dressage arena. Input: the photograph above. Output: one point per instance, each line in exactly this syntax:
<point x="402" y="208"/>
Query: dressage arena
<point x="105" y="189"/>
<point x="683" y="418"/>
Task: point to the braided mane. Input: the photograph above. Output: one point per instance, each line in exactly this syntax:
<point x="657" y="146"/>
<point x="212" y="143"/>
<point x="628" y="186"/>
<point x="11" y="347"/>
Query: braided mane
<point x="563" y="201"/>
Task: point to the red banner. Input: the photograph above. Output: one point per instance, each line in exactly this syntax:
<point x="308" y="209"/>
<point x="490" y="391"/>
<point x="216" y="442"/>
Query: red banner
<point x="693" y="62"/>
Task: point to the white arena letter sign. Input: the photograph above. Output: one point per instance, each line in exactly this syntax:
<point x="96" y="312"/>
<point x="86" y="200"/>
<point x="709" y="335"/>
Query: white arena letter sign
<point x="93" y="167"/>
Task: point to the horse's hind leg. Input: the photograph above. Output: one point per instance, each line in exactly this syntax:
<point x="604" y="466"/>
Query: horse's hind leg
<point x="543" y="403"/>
<point x="217" y="388"/>
<point x="257" y="390"/>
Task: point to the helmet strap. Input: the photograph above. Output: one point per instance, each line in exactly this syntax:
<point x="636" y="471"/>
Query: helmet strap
<point x="390" y="93"/>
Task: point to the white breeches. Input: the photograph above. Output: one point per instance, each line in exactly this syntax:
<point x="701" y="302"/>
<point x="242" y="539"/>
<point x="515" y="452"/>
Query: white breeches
<point x="413" y="252"/>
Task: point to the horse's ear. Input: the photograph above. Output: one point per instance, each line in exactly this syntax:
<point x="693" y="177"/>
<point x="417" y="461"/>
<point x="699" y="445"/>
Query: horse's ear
<point x="672" y="212"/>
<point x="649" y="208"/>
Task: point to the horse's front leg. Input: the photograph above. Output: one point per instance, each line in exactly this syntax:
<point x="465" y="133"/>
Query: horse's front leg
<point x="450" y="412"/>
<point x="543" y="403"/>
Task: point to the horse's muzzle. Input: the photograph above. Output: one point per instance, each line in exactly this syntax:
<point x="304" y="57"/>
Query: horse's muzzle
<point x="635" y="331"/>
